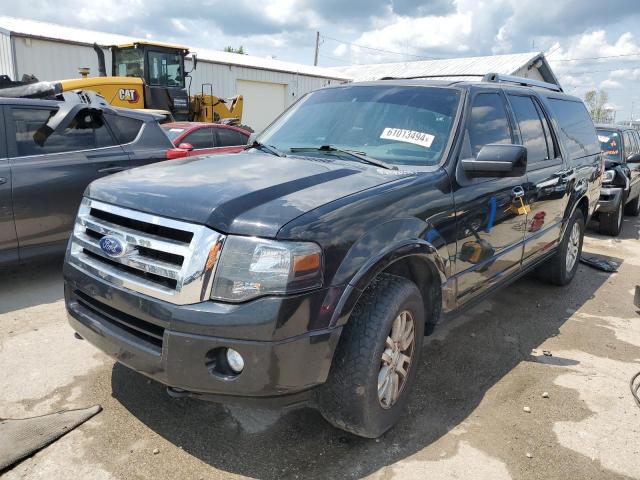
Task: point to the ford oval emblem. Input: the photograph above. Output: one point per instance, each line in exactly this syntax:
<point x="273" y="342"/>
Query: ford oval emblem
<point x="113" y="246"/>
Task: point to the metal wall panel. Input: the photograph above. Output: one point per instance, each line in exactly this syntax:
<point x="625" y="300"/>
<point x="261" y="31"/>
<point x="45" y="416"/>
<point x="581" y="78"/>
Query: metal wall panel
<point x="6" y="57"/>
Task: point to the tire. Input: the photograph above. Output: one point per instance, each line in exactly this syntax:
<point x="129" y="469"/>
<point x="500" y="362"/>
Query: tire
<point x="633" y="207"/>
<point x="561" y="268"/>
<point x="349" y="399"/>
<point x="611" y="223"/>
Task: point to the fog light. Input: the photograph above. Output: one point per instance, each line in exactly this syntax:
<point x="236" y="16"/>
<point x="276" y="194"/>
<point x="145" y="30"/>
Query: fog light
<point x="235" y="360"/>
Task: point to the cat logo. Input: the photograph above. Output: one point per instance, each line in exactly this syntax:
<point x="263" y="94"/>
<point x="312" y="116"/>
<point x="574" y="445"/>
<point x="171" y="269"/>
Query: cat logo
<point x="128" y="95"/>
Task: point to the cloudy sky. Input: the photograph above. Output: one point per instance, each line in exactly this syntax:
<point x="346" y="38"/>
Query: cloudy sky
<point x="590" y="44"/>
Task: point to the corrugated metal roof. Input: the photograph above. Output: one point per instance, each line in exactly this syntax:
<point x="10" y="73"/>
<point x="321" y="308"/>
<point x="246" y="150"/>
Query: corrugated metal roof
<point x="503" y="64"/>
<point x="52" y="31"/>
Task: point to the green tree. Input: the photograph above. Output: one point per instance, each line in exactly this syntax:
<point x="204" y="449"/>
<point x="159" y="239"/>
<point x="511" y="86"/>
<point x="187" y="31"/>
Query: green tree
<point x="239" y="50"/>
<point x="596" y="101"/>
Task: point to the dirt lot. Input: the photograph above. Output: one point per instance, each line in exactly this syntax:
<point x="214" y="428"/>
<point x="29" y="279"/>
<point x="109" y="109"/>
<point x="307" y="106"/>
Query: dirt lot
<point x="466" y="418"/>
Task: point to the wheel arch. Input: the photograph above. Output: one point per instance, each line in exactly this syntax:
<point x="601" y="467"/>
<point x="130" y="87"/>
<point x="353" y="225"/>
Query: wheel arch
<point x="417" y="260"/>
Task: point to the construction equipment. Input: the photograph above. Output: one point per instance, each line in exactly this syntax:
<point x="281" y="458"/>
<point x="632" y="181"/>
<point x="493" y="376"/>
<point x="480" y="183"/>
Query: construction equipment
<point x="151" y="75"/>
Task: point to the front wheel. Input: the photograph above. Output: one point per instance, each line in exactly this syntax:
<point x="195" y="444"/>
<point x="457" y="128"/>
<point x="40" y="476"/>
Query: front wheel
<point x="562" y="267"/>
<point x="611" y="223"/>
<point x="376" y="360"/>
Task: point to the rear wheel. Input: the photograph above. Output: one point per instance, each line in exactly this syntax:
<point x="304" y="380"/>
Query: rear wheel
<point x="611" y="223"/>
<point x="633" y="207"/>
<point x="376" y="360"/>
<point x="561" y="268"/>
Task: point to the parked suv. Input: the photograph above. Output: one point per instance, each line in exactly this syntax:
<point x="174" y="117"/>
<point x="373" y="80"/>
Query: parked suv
<point x="620" y="191"/>
<point x="44" y="172"/>
<point x="309" y="268"/>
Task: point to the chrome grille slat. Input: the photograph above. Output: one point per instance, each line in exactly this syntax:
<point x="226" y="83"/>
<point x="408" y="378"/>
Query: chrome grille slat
<point x="150" y="241"/>
<point x="169" y="269"/>
<point x="156" y="267"/>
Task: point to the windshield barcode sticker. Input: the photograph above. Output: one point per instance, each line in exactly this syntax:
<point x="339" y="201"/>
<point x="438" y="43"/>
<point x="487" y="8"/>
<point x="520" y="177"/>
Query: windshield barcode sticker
<point x="408" y="136"/>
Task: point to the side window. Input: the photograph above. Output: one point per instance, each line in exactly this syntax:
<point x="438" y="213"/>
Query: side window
<point x="229" y="138"/>
<point x="487" y="124"/>
<point x="85" y="132"/>
<point x="531" y="129"/>
<point x="126" y="129"/>
<point x="577" y="130"/>
<point x="636" y="139"/>
<point x="201" y="138"/>
<point x="629" y="145"/>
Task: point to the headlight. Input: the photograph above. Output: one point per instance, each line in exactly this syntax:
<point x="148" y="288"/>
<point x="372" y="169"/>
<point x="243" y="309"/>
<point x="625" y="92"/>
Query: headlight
<point x="251" y="267"/>
<point x="608" y="176"/>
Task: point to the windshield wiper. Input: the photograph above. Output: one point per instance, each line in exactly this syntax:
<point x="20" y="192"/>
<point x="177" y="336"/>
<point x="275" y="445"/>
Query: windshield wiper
<point x="266" y="148"/>
<point x="359" y="155"/>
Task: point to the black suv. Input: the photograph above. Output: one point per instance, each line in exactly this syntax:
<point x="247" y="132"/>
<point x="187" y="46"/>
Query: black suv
<point x="50" y="151"/>
<point x="620" y="191"/>
<point x="309" y="268"/>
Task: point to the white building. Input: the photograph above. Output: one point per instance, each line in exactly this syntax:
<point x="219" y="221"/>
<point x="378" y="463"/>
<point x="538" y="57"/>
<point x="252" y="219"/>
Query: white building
<point x="532" y="65"/>
<point x="55" y="52"/>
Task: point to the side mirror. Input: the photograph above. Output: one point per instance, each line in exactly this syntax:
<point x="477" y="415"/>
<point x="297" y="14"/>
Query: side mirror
<point x="194" y="60"/>
<point x="633" y="158"/>
<point x="497" y="160"/>
<point x="185" y="146"/>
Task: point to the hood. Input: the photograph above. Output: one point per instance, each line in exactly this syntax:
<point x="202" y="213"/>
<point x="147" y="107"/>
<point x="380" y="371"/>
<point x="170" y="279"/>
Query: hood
<point x="250" y="193"/>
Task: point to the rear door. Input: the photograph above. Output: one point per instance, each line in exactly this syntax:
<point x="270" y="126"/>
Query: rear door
<point x="546" y="188"/>
<point x="634" y="168"/>
<point x="8" y="237"/>
<point x="229" y="140"/>
<point x="143" y="141"/>
<point x="490" y="225"/>
<point x="49" y="176"/>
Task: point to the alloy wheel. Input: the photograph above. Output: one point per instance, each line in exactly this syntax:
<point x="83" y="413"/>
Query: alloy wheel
<point x="573" y="247"/>
<point x="396" y="359"/>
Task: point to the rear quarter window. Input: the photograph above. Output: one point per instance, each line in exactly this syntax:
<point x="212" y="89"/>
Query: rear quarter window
<point x="576" y="127"/>
<point x="125" y="129"/>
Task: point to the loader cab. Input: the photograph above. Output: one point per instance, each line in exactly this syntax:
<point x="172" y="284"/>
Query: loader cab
<point x="161" y="67"/>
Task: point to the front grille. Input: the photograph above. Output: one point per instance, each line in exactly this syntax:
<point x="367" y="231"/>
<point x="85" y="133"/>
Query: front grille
<point x="147" y="332"/>
<point x="163" y="258"/>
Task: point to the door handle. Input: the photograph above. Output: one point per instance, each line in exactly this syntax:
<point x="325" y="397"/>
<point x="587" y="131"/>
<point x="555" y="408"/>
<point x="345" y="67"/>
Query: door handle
<point x="3" y="180"/>
<point x="111" y="170"/>
<point x="566" y="174"/>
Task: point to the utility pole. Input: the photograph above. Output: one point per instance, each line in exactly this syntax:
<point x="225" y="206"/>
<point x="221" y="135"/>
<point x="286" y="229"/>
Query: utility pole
<point x="315" y="58"/>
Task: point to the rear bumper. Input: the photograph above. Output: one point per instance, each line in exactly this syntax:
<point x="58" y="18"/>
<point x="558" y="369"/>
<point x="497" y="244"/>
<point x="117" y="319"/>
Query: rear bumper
<point x="122" y="324"/>
<point x="609" y="200"/>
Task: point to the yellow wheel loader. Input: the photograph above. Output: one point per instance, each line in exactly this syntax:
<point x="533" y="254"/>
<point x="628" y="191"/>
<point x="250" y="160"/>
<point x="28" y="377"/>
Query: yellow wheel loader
<point x="151" y="75"/>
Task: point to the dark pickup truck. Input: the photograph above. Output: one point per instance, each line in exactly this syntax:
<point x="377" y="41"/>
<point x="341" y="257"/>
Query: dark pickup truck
<point x="620" y="191"/>
<point x="308" y="269"/>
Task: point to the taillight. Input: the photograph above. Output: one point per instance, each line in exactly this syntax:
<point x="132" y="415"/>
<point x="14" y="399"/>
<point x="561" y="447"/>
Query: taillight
<point x="174" y="153"/>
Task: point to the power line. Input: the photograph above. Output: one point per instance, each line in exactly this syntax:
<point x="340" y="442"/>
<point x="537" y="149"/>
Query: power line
<point x="584" y="72"/>
<point x="378" y="49"/>
<point x="342" y="60"/>
<point x="597" y="58"/>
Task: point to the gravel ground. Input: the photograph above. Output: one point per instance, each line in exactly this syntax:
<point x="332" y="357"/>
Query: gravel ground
<point x="467" y="417"/>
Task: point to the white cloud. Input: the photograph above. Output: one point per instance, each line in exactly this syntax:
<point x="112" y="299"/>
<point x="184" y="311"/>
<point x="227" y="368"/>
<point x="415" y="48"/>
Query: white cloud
<point x="609" y="84"/>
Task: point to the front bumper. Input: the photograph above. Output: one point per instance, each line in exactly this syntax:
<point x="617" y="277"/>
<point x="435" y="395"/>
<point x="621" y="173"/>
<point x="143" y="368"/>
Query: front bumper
<point x="173" y="343"/>
<point x="610" y="198"/>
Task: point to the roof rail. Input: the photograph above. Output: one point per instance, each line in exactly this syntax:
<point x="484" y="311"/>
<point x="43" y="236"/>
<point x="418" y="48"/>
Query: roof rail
<point x="525" y="82"/>
<point x="443" y="75"/>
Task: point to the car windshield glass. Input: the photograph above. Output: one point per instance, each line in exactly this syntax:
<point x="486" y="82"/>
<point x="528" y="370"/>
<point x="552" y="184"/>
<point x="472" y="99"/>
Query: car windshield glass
<point x="173" y="132"/>
<point x="398" y="125"/>
<point x="610" y="144"/>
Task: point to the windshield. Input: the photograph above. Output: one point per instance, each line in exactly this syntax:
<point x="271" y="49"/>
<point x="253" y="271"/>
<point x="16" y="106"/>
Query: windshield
<point x="165" y="69"/>
<point x="399" y="125"/>
<point x="128" y="62"/>
<point x="173" y="132"/>
<point x="610" y="144"/>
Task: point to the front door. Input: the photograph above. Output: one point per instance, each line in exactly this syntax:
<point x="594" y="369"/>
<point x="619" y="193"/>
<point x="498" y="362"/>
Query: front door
<point x="8" y="238"/>
<point x="489" y="213"/>
<point x="49" y="176"/>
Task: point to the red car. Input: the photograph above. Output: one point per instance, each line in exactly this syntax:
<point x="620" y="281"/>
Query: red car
<point x="196" y="138"/>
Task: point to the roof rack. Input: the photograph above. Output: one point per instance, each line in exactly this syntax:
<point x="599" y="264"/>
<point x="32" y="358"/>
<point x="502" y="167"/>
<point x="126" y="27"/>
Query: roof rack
<point x="525" y="82"/>
<point x="448" y="75"/>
